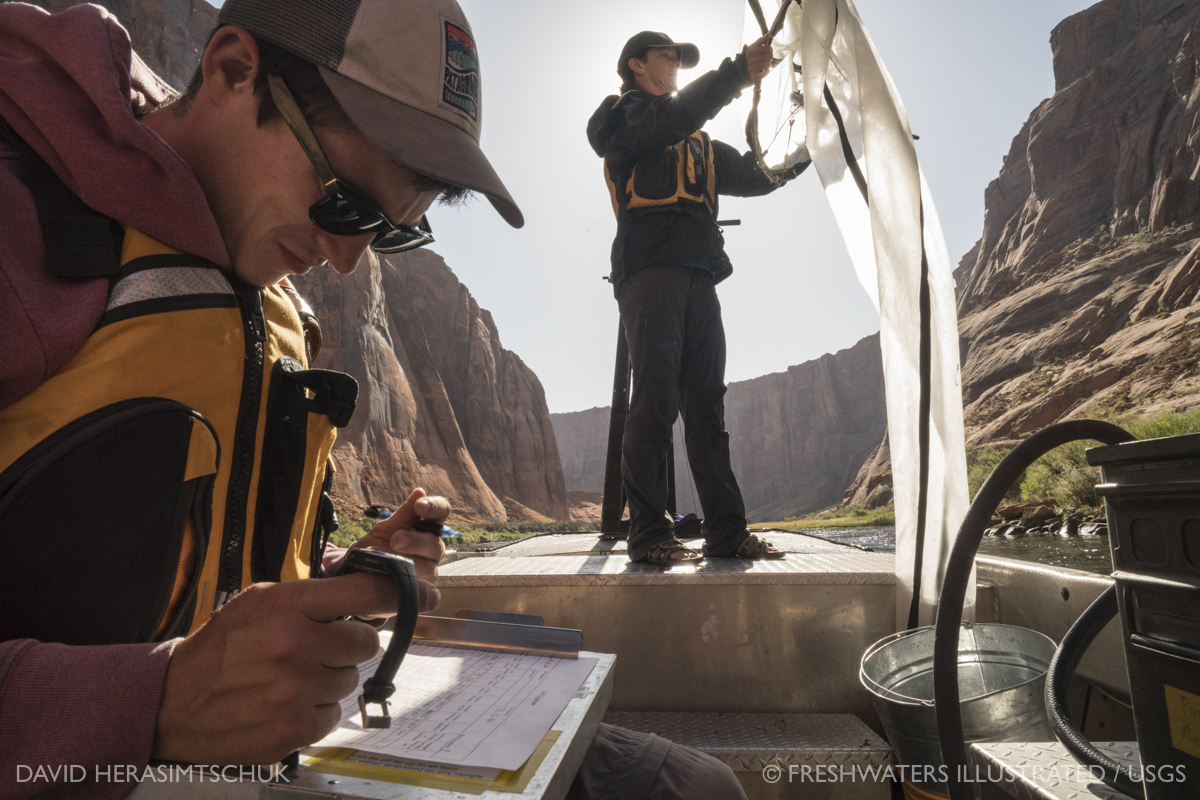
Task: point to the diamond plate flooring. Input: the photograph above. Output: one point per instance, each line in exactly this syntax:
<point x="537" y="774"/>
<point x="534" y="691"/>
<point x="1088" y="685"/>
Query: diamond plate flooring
<point x="844" y="567"/>
<point x="749" y="742"/>
<point x="1046" y="771"/>
<point x="570" y="544"/>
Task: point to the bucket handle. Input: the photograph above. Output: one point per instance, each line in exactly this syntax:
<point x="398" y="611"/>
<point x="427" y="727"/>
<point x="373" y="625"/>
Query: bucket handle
<point x="877" y="687"/>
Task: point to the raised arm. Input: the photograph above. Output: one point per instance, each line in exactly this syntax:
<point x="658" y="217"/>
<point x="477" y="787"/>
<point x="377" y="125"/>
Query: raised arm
<point x="641" y="121"/>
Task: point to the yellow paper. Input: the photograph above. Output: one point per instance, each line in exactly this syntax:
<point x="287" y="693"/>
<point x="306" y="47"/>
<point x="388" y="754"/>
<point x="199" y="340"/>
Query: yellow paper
<point x="1183" y="712"/>
<point x="333" y="761"/>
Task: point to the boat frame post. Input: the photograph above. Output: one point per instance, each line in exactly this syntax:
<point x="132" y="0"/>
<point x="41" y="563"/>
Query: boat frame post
<point x="613" y="503"/>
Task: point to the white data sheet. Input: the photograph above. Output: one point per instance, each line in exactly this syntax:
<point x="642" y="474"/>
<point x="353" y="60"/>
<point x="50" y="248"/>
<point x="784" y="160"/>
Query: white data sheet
<point x="474" y="708"/>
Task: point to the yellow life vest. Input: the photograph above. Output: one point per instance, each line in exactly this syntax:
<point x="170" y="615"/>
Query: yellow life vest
<point x="681" y="173"/>
<point x="180" y="455"/>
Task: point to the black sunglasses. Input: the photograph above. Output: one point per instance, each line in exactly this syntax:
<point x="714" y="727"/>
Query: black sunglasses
<point x="341" y="211"/>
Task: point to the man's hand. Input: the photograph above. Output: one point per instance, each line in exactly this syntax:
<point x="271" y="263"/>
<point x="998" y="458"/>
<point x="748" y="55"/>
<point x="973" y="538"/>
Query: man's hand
<point x="265" y="676"/>
<point x="395" y="534"/>
<point x="758" y="57"/>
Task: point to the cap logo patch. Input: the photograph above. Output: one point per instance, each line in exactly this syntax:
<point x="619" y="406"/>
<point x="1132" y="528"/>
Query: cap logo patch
<point x="460" y="87"/>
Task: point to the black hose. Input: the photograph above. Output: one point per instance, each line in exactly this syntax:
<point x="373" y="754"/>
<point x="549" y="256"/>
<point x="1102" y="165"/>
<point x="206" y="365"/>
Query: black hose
<point x="1058" y="679"/>
<point x="958" y="572"/>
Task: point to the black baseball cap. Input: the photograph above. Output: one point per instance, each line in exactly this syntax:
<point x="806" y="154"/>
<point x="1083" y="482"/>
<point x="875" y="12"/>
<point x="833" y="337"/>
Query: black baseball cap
<point x="689" y="54"/>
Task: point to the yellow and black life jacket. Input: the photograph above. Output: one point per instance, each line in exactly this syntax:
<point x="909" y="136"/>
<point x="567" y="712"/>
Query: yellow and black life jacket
<point x="681" y="173"/>
<point x="180" y="455"/>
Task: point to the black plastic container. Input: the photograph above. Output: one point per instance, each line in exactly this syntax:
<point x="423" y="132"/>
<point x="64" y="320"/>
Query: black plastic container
<point x="1151" y="492"/>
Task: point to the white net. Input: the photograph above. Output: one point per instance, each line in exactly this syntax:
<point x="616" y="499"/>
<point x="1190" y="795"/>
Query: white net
<point x="857" y="133"/>
<point x="779" y="125"/>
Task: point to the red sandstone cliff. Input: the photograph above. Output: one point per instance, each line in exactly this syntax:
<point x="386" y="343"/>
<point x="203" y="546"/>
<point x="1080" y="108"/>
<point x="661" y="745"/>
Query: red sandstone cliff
<point x="1081" y="291"/>
<point x="403" y="433"/>
<point x="442" y="404"/>
<point x="497" y="401"/>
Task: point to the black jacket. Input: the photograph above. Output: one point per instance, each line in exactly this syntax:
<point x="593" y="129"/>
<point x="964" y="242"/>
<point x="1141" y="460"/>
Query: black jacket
<point x="634" y="129"/>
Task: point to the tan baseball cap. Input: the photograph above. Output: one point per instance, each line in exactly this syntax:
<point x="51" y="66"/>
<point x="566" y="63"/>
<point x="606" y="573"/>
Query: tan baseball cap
<point x="406" y="72"/>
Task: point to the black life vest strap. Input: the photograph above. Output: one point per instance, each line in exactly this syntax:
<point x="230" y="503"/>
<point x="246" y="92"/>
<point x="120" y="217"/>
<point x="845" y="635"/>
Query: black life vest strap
<point x="81" y="243"/>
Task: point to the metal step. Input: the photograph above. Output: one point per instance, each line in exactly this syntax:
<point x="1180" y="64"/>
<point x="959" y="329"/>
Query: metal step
<point x="1045" y="770"/>
<point x="814" y="756"/>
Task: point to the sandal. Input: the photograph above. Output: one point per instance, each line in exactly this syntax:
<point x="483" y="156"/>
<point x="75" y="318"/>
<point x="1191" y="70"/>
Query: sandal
<point x="755" y="548"/>
<point x="663" y="554"/>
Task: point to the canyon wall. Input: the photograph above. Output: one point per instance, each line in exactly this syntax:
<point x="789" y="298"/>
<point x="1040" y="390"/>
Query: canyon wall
<point x="442" y="404"/>
<point x="497" y="401"/>
<point x="583" y="447"/>
<point x="1080" y="295"/>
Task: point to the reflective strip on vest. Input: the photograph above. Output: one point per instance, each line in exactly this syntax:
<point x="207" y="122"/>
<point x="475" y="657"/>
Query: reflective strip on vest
<point x="156" y="284"/>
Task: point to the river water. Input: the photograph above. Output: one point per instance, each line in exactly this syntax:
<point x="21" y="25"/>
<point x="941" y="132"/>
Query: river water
<point x="1087" y="553"/>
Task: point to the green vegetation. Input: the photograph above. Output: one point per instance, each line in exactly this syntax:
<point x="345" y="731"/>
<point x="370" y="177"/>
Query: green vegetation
<point x="980" y="463"/>
<point x="1103" y="238"/>
<point x="1063" y="475"/>
<point x="515" y="531"/>
<point x="1169" y="424"/>
<point x="851" y="516"/>
<point x="351" y="530"/>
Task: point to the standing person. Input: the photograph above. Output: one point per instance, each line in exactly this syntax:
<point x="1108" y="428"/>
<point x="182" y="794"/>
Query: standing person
<point x="664" y="175"/>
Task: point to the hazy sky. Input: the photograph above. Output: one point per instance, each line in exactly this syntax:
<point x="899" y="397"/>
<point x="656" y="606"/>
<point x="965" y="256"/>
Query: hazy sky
<point x="969" y="71"/>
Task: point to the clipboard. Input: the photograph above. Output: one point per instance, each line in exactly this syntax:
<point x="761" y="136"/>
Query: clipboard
<point x="548" y="772"/>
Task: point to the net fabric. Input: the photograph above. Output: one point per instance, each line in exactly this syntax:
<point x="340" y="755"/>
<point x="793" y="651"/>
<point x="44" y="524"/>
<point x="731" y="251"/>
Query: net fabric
<point x="886" y="234"/>
<point x="155" y="284"/>
<point x="777" y="128"/>
<point x="315" y="30"/>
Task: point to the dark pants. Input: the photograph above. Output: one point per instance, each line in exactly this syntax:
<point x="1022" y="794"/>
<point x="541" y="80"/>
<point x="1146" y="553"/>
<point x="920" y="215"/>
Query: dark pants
<point x="677" y="347"/>
<point x="630" y="765"/>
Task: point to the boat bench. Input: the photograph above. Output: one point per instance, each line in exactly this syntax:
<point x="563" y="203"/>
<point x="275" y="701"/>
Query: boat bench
<point x="814" y="756"/>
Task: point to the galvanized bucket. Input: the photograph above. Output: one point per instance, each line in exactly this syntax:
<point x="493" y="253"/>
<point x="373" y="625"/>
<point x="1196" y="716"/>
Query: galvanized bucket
<point x="1001" y="682"/>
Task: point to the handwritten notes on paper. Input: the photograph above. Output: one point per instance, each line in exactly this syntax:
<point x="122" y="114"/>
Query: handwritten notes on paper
<point x="474" y="708"/>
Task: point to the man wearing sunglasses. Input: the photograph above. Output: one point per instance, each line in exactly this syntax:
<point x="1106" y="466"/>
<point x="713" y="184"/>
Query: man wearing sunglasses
<point x="310" y="132"/>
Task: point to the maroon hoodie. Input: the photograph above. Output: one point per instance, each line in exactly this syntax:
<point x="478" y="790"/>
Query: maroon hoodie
<point x="71" y="87"/>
